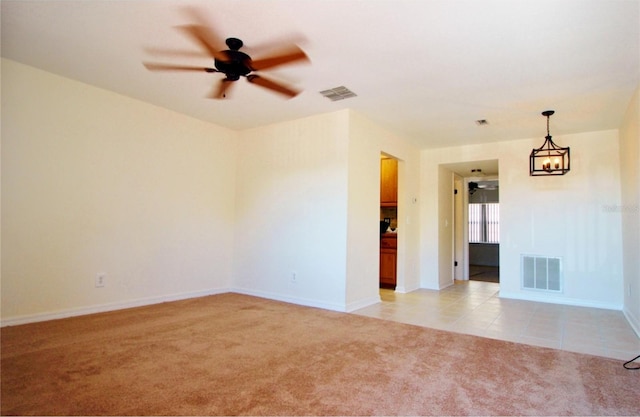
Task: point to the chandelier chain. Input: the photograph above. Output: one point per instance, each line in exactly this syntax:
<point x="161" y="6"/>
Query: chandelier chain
<point x="548" y="125"/>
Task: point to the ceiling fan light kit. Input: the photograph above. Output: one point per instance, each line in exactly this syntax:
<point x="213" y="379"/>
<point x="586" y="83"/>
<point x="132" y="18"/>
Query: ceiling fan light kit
<point x="549" y="159"/>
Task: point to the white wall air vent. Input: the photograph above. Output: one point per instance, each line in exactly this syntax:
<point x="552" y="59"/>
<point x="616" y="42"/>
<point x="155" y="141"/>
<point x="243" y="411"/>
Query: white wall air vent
<point x="541" y="273"/>
<point x="338" y="93"/>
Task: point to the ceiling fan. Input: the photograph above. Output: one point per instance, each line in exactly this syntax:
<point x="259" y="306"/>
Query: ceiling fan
<point x="234" y="63"/>
<point x="482" y="185"/>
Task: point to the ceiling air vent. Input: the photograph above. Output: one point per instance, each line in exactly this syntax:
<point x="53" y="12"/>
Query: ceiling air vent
<point x="338" y="93"/>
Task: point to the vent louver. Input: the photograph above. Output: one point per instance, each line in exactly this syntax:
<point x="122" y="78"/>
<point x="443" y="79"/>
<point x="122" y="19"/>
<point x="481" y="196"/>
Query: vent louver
<point x="338" y="93"/>
<point x="541" y="273"/>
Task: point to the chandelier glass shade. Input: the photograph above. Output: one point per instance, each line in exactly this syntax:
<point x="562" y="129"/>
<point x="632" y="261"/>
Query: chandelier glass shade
<point x="549" y="159"/>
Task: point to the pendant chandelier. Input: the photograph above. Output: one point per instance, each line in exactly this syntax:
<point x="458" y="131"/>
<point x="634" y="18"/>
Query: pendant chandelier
<point x="549" y="159"/>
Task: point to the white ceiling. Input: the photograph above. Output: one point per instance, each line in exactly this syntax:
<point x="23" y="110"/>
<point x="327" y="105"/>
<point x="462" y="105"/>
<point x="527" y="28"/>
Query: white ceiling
<point x="425" y="69"/>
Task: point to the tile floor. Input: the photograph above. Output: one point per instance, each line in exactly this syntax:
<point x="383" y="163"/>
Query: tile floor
<point x="474" y="307"/>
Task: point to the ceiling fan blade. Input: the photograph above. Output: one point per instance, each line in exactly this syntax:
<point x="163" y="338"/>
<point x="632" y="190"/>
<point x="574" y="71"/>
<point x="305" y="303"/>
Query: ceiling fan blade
<point x="208" y="39"/>
<point x="272" y="85"/>
<point x="170" y="67"/>
<point x="287" y="56"/>
<point x="222" y="90"/>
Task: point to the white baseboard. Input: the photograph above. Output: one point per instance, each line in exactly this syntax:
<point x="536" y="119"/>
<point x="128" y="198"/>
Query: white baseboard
<point x="634" y="321"/>
<point x="61" y="314"/>
<point x="289" y="299"/>
<point x="362" y="303"/>
<point x="344" y="308"/>
<point x="544" y="298"/>
<point x="81" y="311"/>
<point x="405" y="290"/>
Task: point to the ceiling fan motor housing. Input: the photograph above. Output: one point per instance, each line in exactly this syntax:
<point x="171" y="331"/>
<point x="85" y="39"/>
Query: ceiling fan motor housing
<point x="236" y="64"/>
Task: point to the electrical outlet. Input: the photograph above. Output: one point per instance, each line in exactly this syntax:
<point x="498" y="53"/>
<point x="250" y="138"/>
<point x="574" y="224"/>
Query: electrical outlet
<point x="294" y="277"/>
<point x="101" y="279"/>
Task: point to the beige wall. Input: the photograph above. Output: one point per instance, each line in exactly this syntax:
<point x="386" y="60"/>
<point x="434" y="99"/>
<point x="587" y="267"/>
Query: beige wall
<point x="565" y="216"/>
<point x="95" y="182"/>
<point x="308" y="201"/>
<point x="171" y="207"/>
<point x="291" y="211"/>
<point x="630" y="209"/>
<point x="366" y="141"/>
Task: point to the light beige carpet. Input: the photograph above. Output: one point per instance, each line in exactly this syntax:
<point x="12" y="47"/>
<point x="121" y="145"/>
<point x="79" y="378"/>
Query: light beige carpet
<point x="232" y="354"/>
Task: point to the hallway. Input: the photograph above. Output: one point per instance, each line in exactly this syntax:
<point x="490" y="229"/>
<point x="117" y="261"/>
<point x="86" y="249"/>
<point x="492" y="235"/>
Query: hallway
<point x="484" y="273"/>
<point x="474" y="307"/>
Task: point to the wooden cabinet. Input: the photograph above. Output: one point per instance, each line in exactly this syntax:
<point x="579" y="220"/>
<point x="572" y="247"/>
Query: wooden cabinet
<point x="388" y="260"/>
<point x="388" y="245"/>
<point x="388" y="182"/>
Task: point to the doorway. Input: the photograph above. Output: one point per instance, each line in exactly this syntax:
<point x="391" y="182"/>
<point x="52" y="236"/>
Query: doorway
<point x="476" y="231"/>
<point x="483" y="225"/>
<point x="388" y="222"/>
